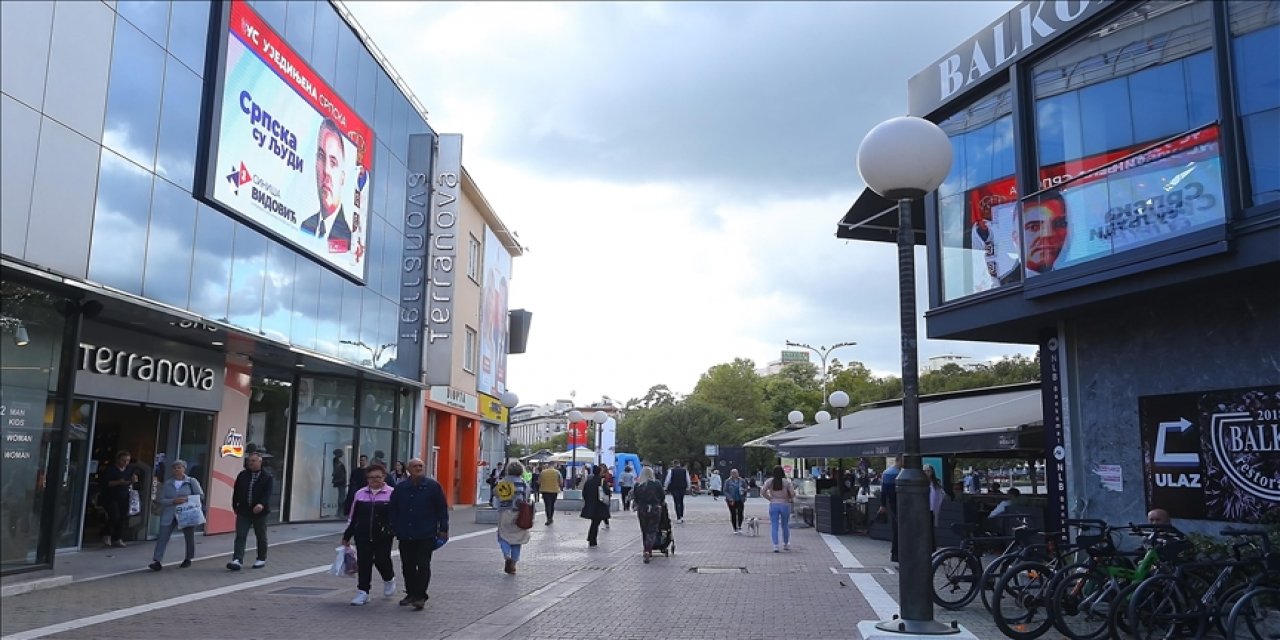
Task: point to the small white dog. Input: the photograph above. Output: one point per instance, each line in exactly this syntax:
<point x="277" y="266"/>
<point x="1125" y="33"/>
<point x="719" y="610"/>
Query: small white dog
<point x="753" y="526"/>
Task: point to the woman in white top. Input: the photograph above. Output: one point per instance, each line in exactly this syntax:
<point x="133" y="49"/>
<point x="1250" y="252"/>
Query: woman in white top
<point x="717" y="483"/>
<point x="779" y="492"/>
<point x="936" y="493"/>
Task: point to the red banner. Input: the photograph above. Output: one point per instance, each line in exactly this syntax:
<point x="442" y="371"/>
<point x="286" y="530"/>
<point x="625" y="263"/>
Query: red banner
<point x="253" y="31"/>
<point x="578" y="434"/>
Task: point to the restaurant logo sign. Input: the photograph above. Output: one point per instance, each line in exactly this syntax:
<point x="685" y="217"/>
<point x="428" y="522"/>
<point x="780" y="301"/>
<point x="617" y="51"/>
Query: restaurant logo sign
<point x="233" y="444"/>
<point x="1212" y="455"/>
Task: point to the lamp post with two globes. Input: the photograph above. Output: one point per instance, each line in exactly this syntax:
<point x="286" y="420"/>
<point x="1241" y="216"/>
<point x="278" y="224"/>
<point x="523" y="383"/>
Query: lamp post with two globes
<point x="904" y="159"/>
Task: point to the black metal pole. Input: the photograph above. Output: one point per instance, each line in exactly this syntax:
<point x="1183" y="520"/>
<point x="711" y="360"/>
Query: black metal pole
<point x="914" y="519"/>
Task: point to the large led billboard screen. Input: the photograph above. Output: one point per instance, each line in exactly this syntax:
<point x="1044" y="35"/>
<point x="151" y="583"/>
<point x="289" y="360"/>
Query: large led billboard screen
<point x="285" y="153"/>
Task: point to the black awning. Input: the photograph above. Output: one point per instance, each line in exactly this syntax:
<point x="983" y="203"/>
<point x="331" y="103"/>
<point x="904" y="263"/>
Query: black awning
<point x="875" y="218"/>
<point x="1002" y="421"/>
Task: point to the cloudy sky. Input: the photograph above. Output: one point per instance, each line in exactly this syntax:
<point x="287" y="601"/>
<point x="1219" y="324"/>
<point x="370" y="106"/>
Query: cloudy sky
<point x="676" y="171"/>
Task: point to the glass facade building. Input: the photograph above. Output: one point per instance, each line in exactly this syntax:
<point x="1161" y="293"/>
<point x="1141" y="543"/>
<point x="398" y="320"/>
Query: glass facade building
<point x="1113" y="200"/>
<point x="103" y="117"/>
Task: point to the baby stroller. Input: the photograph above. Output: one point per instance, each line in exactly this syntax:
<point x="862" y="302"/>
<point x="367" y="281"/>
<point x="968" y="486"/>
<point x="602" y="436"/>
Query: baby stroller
<point x="665" y="543"/>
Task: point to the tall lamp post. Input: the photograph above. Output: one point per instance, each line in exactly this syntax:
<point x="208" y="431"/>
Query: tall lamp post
<point x="575" y="417"/>
<point x="509" y="400"/>
<point x="599" y="418"/>
<point x="903" y="159"/>
<point x="838" y="400"/>
<point x="823" y="352"/>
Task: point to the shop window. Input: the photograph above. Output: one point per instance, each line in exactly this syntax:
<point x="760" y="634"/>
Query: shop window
<point x="30" y="350"/>
<point x="379" y="406"/>
<point x="1255" y="45"/>
<point x="327" y="401"/>
<point x="133" y="96"/>
<point x="319" y="485"/>
<point x="119" y="240"/>
<point x="376" y="443"/>
<point x="976" y="198"/>
<point x="268" y="432"/>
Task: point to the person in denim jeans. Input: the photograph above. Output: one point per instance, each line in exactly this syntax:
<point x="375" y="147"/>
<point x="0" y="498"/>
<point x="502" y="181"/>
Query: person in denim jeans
<point x="779" y="492"/>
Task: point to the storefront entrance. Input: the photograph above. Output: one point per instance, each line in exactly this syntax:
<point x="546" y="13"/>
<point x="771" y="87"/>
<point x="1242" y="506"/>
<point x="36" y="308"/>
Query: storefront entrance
<point x="155" y="437"/>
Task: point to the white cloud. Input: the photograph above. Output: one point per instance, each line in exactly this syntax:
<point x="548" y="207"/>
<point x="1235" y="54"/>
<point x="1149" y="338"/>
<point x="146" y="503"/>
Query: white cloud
<point x="677" y="171"/>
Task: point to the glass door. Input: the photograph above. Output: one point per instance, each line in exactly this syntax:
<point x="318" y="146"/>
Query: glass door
<point x="194" y="447"/>
<point x="75" y="476"/>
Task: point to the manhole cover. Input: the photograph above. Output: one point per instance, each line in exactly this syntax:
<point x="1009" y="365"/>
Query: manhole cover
<point x="302" y="591"/>
<point x="717" y="570"/>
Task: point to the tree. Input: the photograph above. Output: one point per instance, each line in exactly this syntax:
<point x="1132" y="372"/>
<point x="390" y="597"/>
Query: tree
<point x="681" y="431"/>
<point x="804" y="374"/>
<point x="735" y="388"/>
<point x="659" y="394"/>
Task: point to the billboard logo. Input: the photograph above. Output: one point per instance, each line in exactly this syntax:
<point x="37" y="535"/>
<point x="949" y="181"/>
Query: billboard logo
<point x="1242" y="441"/>
<point x="238" y="177"/>
<point x="233" y="444"/>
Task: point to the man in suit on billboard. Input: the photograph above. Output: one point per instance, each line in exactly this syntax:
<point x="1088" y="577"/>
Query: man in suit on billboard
<point x="1044" y="231"/>
<point x="331" y="176"/>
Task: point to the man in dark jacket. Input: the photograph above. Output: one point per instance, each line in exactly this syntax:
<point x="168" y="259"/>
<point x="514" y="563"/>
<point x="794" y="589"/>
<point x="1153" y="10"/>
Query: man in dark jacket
<point x="356" y="483"/>
<point x="249" y="501"/>
<point x="676" y="483"/>
<point x="419" y="515"/>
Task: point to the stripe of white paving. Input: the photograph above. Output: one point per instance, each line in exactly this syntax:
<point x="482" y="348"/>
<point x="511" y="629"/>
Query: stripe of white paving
<point x="842" y="553"/>
<point x="879" y="599"/>
<point x="118" y="614"/>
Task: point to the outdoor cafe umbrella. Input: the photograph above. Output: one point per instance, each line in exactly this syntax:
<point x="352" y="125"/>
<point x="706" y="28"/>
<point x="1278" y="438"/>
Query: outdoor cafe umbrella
<point x="582" y="455"/>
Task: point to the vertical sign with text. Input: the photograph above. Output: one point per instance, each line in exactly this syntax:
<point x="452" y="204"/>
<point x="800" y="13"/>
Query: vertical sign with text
<point x="1055" y="444"/>
<point x="442" y="255"/>
<point x="413" y="261"/>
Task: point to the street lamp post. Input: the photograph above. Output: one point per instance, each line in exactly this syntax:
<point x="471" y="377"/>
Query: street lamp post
<point x="838" y="401"/>
<point x="599" y="418"/>
<point x="509" y="400"/>
<point x="903" y="159"/>
<point x="823" y="352"/>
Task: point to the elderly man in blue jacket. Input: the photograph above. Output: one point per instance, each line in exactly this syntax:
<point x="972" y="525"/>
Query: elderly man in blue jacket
<point x="419" y="515"/>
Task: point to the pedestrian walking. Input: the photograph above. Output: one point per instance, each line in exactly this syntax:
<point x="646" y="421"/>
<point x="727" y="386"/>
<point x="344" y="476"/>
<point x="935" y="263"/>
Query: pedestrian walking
<point x="606" y="492"/>
<point x="889" y="502"/>
<point x="716" y="484"/>
<point x="676" y="484"/>
<point x="177" y="490"/>
<point x="511" y="491"/>
<point x="115" y="481"/>
<point x="369" y="525"/>
<point x="735" y="495"/>
<point x="549" y="486"/>
<point x="779" y="492"/>
<point x="936" y="493"/>
<point x="593" y="508"/>
<point x="648" y="498"/>
<point x="249" y="501"/>
<point x="533" y="483"/>
<point x="355" y="482"/>
<point x="628" y="482"/>
<point x="419" y="516"/>
<point x="398" y="473"/>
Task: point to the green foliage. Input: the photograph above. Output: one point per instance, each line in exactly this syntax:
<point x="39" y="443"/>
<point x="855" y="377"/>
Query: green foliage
<point x="731" y="405"/>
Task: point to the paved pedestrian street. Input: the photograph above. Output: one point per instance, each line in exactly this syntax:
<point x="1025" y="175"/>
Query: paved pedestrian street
<point x="716" y="585"/>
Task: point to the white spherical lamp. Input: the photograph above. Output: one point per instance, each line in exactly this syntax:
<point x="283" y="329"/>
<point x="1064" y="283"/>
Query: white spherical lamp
<point x="795" y="417"/>
<point x="839" y="399"/>
<point x="904" y="157"/>
<point x="822" y="416"/>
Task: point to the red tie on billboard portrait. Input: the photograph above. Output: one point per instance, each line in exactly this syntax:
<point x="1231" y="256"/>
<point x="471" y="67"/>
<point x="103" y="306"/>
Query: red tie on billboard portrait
<point x="578" y="434"/>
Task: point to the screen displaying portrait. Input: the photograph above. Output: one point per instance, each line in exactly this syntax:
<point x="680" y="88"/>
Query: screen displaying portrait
<point x="286" y="154"/>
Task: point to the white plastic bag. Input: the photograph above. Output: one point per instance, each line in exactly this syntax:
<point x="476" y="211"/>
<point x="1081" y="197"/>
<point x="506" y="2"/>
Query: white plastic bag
<point x="189" y="513"/>
<point x="338" y="567"/>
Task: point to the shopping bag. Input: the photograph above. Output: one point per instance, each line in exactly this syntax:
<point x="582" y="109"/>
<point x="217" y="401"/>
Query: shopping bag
<point x="189" y="513"/>
<point x="135" y="502"/>
<point x="338" y="568"/>
<point x="349" y="564"/>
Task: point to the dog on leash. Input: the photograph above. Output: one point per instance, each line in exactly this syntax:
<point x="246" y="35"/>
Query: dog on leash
<point x="753" y="526"/>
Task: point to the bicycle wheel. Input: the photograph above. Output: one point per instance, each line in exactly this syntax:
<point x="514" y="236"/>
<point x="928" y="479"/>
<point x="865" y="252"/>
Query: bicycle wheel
<point x="1256" y="615"/>
<point x="955" y="578"/>
<point x="1020" y="604"/>
<point x="1159" y="610"/>
<point x="1081" y="604"/>
<point x="987" y="583"/>
<point x="1118" y="618"/>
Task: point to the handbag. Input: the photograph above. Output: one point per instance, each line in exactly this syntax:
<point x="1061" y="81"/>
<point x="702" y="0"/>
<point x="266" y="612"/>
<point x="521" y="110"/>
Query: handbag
<point x="189" y="513"/>
<point x="524" y="514"/>
<point x="135" y="502"/>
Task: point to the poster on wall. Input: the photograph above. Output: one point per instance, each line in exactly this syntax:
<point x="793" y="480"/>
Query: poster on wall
<point x="1212" y="455"/>
<point x="492" y="377"/>
<point x="286" y="154"/>
<point x="1167" y="191"/>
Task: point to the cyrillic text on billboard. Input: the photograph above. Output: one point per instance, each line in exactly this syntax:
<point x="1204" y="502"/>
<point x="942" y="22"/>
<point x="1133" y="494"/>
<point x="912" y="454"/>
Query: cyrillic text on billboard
<point x="286" y="153"/>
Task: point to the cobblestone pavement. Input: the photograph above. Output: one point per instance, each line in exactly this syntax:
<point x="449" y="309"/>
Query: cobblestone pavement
<point x="562" y="588"/>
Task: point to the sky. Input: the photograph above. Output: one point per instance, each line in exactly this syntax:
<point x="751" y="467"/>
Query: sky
<point x="676" y="172"/>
